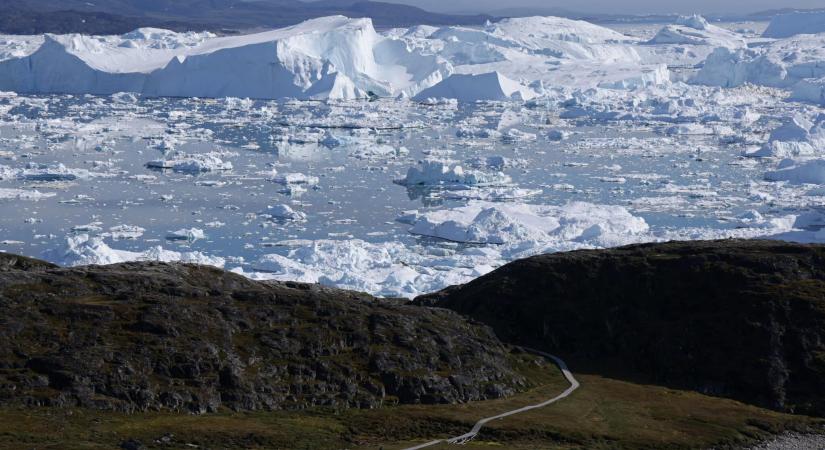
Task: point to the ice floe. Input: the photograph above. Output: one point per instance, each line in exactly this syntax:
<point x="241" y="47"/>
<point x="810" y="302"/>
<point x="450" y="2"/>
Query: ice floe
<point x="201" y="162"/>
<point x="286" y="213"/>
<point x="440" y="173"/>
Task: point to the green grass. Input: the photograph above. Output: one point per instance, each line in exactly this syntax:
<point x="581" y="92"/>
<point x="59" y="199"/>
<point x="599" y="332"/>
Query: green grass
<point x="603" y="413"/>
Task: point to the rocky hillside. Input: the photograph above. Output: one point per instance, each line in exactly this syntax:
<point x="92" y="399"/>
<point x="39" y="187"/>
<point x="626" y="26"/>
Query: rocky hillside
<point x="149" y="336"/>
<point x="741" y="319"/>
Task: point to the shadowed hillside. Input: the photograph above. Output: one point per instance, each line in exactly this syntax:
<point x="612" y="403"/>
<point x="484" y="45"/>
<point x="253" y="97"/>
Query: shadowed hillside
<point x="740" y="319"/>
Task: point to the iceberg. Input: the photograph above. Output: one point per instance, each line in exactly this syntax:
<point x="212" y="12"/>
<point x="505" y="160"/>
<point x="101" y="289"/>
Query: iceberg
<point x="285" y="213"/>
<point x="84" y="250"/>
<point x="436" y="172"/>
<point x="472" y="88"/>
<point x="811" y="90"/>
<point x="186" y="234"/>
<point x="810" y="172"/>
<point x="797" y="22"/>
<point x="695" y="30"/>
<point x="193" y="163"/>
<point x="791" y="139"/>
<point x="329" y="57"/>
<point x="333" y="58"/>
<point x="22" y="194"/>
<point x="491" y="223"/>
<point x="782" y="64"/>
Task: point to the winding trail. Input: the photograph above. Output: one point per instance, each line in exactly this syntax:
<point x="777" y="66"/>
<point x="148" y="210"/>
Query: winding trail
<point x="466" y="437"/>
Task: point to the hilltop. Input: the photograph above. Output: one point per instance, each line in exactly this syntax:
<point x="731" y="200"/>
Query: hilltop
<point x="738" y="319"/>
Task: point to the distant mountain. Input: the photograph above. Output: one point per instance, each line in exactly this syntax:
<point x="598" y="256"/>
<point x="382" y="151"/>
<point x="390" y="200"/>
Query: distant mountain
<point x="527" y="11"/>
<point x="120" y="16"/>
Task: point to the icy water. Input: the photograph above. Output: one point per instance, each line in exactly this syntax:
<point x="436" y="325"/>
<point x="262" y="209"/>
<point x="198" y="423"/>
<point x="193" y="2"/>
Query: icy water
<point x="684" y="182"/>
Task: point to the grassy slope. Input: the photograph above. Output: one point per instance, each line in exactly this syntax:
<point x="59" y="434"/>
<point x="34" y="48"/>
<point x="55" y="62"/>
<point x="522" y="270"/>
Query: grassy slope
<point x="604" y="413"/>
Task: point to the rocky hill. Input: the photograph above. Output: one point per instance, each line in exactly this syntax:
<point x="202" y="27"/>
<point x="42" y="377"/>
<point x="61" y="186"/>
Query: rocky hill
<point x="150" y="336"/>
<point x="740" y="319"/>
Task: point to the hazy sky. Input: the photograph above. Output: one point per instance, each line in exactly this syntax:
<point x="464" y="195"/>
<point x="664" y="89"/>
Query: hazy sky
<point x="619" y="6"/>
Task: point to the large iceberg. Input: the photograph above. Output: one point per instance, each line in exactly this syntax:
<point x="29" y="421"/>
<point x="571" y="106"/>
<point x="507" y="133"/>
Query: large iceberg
<point x="333" y="58"/>
<point x="330" y="57"/>
<point x="810" y="172"/>
<point x="695" y="30"/>
<point x="792" y="139"/>
<point x="797" y="22"/>
<point x="783" y="64"/>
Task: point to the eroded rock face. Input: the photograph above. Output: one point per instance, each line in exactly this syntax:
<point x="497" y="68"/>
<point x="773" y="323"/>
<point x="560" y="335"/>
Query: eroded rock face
<point x="741" y="319"/>
<point x="146" y="336"/>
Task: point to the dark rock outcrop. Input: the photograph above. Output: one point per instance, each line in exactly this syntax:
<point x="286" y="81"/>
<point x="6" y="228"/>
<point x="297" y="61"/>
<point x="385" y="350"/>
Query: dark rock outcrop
<point x="741" y="319"/>
<point x="149" y="336"/>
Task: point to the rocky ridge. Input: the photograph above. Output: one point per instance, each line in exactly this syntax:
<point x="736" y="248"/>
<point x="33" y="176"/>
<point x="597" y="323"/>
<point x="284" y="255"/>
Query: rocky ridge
<point x="738" y="319"/>
<point x="152" y="336"/>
